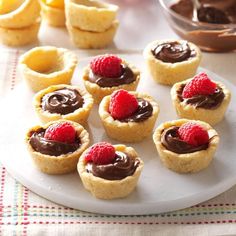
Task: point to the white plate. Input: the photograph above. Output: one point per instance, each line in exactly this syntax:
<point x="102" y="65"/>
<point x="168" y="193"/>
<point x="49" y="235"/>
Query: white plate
<point x="158" y="190"/>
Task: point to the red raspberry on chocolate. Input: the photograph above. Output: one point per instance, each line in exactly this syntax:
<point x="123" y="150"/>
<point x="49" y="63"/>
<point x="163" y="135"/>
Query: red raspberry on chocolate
<point x="193" y="134"/>
<point x="199" y="85"/>
<point x="106" y="66"/>
<point x="122" y="104"/>
<point x="61" y="132"/>
<point x="102" y="153"/>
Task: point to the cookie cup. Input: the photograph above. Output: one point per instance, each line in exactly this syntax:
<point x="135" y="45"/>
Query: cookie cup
<point x="99" y="93"/>
<point x="171" y="73"/>
<point x="25" y="15"/>
<point x="21" y="36"/>
<point x="189" y="162"/>
<point x="87" y="15"/>
<point x="110" y="189"/>
<point x="62" y="164"/>
<point x="88" y="39"/>
<point x="128" y="131"/>
<point x="44" y="66"/>
<point x="52" y="15"/>
<point x="188" y="111"/>
<point x="80" y="115"/>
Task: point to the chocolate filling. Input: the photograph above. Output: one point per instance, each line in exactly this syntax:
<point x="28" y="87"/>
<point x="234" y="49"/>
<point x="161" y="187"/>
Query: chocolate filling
<point x="171" y="141"/>
<point x="121" y="167"/>
<point x="127" y="77"/>
<point x="62" y="101"/>
<point x="50" y="147"/>
<point x="143" y="112"/>
<point x="211" y="101"/>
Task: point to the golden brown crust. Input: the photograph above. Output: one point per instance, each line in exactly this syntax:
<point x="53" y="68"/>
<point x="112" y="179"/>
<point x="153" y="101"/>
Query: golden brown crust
<point x="87" y="15"/>
<point x="171" y="73"/>
<point x="62" y="164"/>
<point x="20" y="36"/>
<point x="110" y="189"/>
<point x="99" y="93"/>
<point x="79" y="115"/>
<point x="190" y="162"/>
<point x="45" y="66"/>
<point x="188" y="111"/>
<point x="128" y="131"/>
<point x="88" y="39"/>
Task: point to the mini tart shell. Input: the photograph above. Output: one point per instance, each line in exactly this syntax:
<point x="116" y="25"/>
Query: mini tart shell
<point x="128" y="131"/>
<point x="99" y="93"/>
<point x="189" y="111"/>
<point x="87" y="15"/>
<point x="190" y="162"/>
<point x="54" y="16"/>
<point x="88" y="39"/>
<point x="24" y="16"/>
<point x="110" y="189"/>
<point x="21" y="36"/>
<point x="45" y="66"/>
<point x="62" y="164"/>
<point x="171" y="73"/>
<point x="80" y="115"/>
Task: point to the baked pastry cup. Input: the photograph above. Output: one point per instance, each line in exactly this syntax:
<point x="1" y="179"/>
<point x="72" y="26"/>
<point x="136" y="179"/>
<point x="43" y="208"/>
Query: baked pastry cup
<point x="128" y="131"/>
<point x="54" y="16"/>
<point x="110" y="189"/>
<point x="61" y="164"/>
<point x="99" y="93"/>
<point x="23" y="15"/>
<point x="170" y="73"/>
<point x="88" y="39"/>
<point x="79" y="115"/>
<point x="87" y="15"/>
<point x="45" y="66"/>
<point x="20" y="36"/>
<point x="188" y="162"/>
<point x="190" y="111"/>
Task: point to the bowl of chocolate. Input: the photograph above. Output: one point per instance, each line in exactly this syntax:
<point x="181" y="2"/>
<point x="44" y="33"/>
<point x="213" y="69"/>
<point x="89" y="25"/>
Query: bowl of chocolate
<point x="211" y="24"/>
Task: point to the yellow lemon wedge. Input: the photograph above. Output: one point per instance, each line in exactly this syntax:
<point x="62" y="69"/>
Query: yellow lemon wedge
<point x="7" y="6"/>
<point x="55" y="3"/>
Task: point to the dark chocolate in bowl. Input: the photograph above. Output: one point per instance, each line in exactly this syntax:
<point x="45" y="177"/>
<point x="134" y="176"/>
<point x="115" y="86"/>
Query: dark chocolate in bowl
<point x="50" y="147"/>
<point x="127" y="77"/>
<point x="122" y="167"/>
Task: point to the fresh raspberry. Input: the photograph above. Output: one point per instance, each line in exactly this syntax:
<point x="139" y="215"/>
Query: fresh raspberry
<point x="106" y="66"/>
<point x="101" y="154"/>
<point x="199" y="85"/>
<point x="122" y="104"/>
<point x="61" y="132"/>
<point x="193" y="134"/>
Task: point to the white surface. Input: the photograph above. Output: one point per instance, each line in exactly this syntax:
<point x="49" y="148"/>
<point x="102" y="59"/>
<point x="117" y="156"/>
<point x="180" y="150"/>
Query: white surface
<point x="158" y="190"/>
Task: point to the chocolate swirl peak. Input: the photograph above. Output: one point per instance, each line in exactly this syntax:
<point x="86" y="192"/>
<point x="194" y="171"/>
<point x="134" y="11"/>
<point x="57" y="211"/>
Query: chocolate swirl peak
<point x="127" y="77"/>
<point x="121" y="167"/>
<point x="173" y="52"/>
<point x="143" y="112"/>
<point x="171" y="141"/>
<point x="50" y="147"/>
<point x="62" y="101"/>
<point x="211" y="101"/>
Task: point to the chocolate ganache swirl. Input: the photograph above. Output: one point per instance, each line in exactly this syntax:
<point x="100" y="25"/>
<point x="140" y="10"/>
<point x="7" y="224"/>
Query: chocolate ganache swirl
<point x="127" y="77"/>
<point x="143" y="112"/>
<point x="171" y="141"/>
<point x="121" y="167"/>
<point x="173" y="52"/>
<point x="211" y="101"/>
<point x="62" y="101"/>
<point x="50" y="147"/>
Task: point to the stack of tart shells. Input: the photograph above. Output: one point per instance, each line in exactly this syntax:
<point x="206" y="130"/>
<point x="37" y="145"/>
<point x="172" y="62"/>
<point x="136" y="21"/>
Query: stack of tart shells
<point x="91" y="24"/>
<point x="20" y="26"/>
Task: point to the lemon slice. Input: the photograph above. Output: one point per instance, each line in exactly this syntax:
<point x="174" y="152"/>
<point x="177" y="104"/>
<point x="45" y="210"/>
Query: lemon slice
<point x="7" y="6"/>
<point x="55" y="3"/>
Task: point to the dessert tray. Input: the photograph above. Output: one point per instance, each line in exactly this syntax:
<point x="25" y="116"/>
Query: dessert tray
<point x="158" y="190"/>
